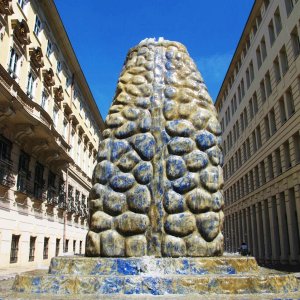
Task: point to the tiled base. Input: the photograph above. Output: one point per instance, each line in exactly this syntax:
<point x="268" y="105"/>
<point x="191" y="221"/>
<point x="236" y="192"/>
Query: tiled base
<point x="156" y="276"/>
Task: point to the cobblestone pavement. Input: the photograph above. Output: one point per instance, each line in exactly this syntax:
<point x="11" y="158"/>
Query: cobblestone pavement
<point x="6" y="293"/>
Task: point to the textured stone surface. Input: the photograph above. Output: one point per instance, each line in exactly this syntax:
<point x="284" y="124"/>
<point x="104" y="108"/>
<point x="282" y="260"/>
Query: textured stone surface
<point x="158" y="181"/>
<point x="155" y="276"/>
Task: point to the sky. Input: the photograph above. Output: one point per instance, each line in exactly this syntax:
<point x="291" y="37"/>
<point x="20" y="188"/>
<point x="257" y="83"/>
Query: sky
<point x="102" y="31"/>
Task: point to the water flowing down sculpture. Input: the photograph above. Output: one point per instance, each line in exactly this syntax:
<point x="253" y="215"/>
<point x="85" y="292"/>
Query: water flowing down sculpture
<point x="157" y="184"/>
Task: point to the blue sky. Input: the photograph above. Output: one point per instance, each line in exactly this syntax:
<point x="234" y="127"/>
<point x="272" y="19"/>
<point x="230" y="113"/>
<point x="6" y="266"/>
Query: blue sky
<point x="102" y="32"/>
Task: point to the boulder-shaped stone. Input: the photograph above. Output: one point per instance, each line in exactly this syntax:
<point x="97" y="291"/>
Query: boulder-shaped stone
<point x="136" y="246"/>
<point x="139" y="199"/>
<point x="180" y="224"/>
<point x="200" y="118"/>
<point x="100" y="221"/>
<point x="170" y="109"/>
<point x="122" y="182"/>
<point x="173" y="202"/>
<point x="143" y="172"/>
<point x="214" y="126"/>
<point x="114" y="120"/>
<point x="128" y="161"/>
<point x="212" y="178"/>
<point x="114" y="203"/>
<point x="98" y="191"/>
<point x="173" y="246"/>
<point x="182" y="128"/>
<point x="196" y="160"/>
<point x="118" y="148"/>
<point x="104" y="171"/>
<point x="198" y="200"/>
<point x="217" y="201"/>
<point x="144" y="144"/>
<point x="113" y="244"/>
<point x="127" y="129"/>
<point x="145" y="124"/>
<point x="196" y="245"/>
<point x="131" y="113"/>
<point x="215" y="155"/>
<point x="184" y="184"/>
<point x="170" y="92"/>
<point x="205" y="140"/>
<point x="181" y="145"/>
<point x="92" y="247"/>
<point x="131" y="223"/>
<point x="208" y="225"/>
<point x="175" y="167"/>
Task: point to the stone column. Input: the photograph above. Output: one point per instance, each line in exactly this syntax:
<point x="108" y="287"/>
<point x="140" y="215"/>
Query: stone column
<point x="249" y="231"/>
<point x="275" y="240"/>
<point x="292" y="224"/>
<point x="253" y="229"/>
<point x="266" y="230"/>
<point x="259" y="230"/>
<point x="283" y="232"/>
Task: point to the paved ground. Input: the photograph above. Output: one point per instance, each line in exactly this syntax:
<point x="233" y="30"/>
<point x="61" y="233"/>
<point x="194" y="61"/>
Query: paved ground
<point x="7" y="278"/>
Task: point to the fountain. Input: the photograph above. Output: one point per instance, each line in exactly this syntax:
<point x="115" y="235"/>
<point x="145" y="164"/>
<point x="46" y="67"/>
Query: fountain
<point x="156" y="204"/>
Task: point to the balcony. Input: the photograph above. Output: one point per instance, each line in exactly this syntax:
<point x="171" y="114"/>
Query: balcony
<point x="24" y="184"/>
<point x="39" y="192"/>
<point x="62" y="201"/>
<point x="7" y="178"/>
<point x="52" y="196"/>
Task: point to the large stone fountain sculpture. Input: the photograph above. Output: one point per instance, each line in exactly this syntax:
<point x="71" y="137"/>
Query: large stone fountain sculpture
<point x="157" y="185"/>
<point x="156" y="204"/>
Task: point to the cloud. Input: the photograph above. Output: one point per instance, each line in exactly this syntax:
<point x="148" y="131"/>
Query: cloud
<point x="213" y="69"/>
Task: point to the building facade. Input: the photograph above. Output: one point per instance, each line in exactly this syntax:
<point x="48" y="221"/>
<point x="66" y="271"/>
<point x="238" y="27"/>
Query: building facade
<point x="259" y="111"/>
<point x="50" y="129"/>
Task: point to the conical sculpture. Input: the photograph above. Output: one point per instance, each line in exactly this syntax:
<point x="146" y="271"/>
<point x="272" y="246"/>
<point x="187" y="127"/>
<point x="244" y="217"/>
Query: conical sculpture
<point x="157" y="185"/>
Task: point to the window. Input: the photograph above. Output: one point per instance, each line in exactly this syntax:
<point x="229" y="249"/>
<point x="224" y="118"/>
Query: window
<point x="289" y="102"/>
<point x="23" y="172"/>
<point x="287" y="155"/>
<point x="248" y="78"/>
<point x="30" y="86"/>
<point x="272" y="121"/>
<point x="55" y="116"/>
<point x="80" y="247"/>
<point x="277" y="69"/>
<point x="278" y="162"/>
<point x="263" y="49"/>
<point x="39" y="182"/>
<point x="14" y="248"/>
<point x="263" y="91"/>
<point x="282" y="110"/>
<point x="68" y="81"/>
<point x="268" y="84"/>
<point x="271" y="32"/>
<point x="254" y="142"/>
<point x="263" y="172"/>
<point x="256" y="174"/>
<point x="32" y="248"/>
<point x="283" y="60"/>
<point x="49" y="48"/>
<point x="5" y="148"/>
<point x="46" y="246"/>
<point x="67" y="246"/>
<point x="295" y="41"/>
<point x="13" y="63"/>
<point x="57" y="247"/>
<point x="277" y="20"/>
<point x="258" y="57"/>
<point x="258" y="136"/>
<point x="289" y="5"/>
<point x="245" y="118"/>
<point x="270" y="167"/>
<point x="255" y="103"/>
<point x="37" y="26"/>
<point x="74" y="246"/>
<point x="58" y="68"/>
<point x="251" y="72"/>
<point x="296" y="141"/>
<point x="267" y="128"/>
<point x="22" y="3"/>
<point x="44" y="101"/>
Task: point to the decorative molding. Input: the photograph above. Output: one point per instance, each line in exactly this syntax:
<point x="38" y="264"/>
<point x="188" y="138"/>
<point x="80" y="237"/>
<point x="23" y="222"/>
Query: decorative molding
<point x="59" y="94"/>
<point x="6" y="7"/>
<point x="23" y="131"/>
<point x="49" y="77"/>
<point x="36" y="56"/>
<point x="21" y="31"/>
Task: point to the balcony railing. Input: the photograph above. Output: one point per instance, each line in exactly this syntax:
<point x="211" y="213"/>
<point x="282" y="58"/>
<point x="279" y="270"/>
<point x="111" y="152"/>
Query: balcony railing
<point x="39" y="192"/>
<point x="24" y="184"/>
<point x="6" y="175"/>
<point x="52" y="197"/>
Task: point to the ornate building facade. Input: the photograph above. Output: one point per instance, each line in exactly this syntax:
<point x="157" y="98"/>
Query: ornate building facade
<point x="50" y="129"/>
<point x="259" y="109"/>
